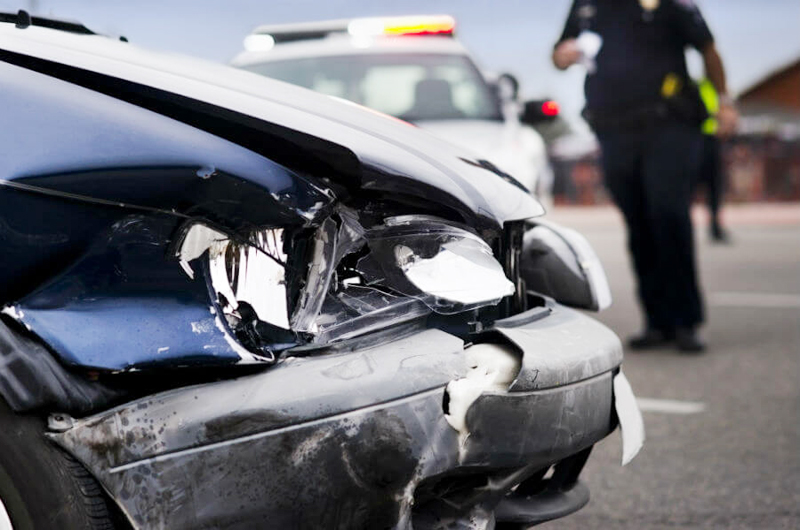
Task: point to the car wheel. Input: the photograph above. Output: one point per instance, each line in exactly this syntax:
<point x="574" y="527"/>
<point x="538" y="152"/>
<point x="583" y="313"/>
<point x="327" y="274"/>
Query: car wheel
<point x="41" y="486"/>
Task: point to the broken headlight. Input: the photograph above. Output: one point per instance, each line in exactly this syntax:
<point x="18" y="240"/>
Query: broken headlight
<point x="448" y="268"/>
<point x="279" y="288"/>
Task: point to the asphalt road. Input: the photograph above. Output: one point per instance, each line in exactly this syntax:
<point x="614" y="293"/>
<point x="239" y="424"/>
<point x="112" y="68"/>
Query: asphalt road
<point x="735" y="463"/>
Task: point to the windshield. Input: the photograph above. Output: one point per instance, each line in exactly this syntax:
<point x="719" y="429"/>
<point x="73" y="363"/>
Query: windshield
<point x="412" y="87"/>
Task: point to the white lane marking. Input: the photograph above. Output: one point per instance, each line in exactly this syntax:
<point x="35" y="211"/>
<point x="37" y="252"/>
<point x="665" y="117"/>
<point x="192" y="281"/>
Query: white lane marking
<point x="670" y="406"/>
<point x="767" y="300"/>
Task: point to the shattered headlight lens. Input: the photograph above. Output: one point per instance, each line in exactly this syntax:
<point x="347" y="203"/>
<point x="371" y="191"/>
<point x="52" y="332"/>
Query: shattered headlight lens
<point x="446" y="267"/>
<point x="348" y="282"/>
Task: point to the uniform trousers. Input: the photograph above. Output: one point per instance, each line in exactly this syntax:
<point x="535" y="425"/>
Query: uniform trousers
<point x="650" y="173"/>
<point x="712" y="176"/>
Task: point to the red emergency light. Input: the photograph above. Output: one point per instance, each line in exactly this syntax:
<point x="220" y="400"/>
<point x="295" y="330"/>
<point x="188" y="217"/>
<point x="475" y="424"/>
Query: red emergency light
<point x="550" y="108"/>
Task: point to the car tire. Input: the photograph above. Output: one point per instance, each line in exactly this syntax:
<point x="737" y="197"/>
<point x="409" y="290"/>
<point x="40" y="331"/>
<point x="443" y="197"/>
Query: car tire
<point x="41" y="486"/>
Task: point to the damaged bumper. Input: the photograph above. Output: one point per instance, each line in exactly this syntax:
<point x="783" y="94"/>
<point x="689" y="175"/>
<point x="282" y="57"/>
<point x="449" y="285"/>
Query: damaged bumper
<point x="359" y="439"/>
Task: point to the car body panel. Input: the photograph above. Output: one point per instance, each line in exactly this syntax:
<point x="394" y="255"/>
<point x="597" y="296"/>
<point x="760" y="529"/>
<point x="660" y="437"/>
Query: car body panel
<point x="358" y="429"/>
<point x="515" y="148"/>
<point x="555" y="342"/>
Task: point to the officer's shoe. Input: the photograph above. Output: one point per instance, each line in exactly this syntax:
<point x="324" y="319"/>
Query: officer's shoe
<point x="719" y="235"/>
<point x="651" y="338"/>
<point x="688" y="340"/>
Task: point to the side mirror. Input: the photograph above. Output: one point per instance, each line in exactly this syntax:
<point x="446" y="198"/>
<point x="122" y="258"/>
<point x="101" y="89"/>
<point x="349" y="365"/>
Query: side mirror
<point x="560" y="263"/>
<point x="507" y="87"/>
<point x="539" y="111"/>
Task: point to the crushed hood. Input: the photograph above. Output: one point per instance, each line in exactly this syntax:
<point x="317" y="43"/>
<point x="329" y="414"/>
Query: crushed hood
<point x="337" y="139"/>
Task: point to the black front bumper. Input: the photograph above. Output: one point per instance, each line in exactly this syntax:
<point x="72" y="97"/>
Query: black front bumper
<point x="355" y="440"/>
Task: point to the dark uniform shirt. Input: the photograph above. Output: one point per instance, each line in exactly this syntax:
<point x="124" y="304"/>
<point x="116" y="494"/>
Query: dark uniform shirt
<point x="641" y="47"/>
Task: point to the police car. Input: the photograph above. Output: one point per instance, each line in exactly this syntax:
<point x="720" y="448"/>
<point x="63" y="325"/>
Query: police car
<point x="414" y="69"/>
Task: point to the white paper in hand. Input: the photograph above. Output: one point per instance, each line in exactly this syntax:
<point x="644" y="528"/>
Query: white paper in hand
<point x="589" y="43"/>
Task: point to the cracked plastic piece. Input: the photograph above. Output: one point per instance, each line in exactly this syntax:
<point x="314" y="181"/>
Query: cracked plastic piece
<point x="251" y="273"/>
<point x="334" y="304"/>
<point x="318" y="280"/>
<point x="448" y="268"/>
<point x="630" y="418"/>
<point x="357" y="310"/>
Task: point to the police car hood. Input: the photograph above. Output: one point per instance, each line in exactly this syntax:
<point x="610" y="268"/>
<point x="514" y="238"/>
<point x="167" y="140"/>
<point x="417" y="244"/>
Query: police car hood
<point x="386" y="154"/>
<point x="484" y="137"/>
<point x="515" y="148"/>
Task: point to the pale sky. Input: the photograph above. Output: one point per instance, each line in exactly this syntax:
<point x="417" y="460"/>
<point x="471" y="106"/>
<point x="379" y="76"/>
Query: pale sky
<point x="754" y="37"/>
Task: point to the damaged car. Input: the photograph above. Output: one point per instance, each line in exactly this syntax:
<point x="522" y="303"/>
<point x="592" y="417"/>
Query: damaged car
<point x="229" y="302"/>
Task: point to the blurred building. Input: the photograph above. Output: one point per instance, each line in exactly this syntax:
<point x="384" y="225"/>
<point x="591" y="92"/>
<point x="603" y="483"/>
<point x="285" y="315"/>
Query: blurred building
<point x="779" y="90"/>
<point x="763" y="161"/>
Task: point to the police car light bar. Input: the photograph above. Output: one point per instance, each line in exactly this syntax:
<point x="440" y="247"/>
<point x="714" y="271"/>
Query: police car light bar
<point x="443" y="25"/>
<point x="265" y="37"/>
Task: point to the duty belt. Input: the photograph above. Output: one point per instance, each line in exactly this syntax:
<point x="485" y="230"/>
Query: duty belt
<point x="630" y="119"/>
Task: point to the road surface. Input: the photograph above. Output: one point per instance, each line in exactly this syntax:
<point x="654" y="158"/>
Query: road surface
<point x="723" y="428"/>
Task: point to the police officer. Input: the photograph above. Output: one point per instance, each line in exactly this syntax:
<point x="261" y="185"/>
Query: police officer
<point x="647" y="115"/>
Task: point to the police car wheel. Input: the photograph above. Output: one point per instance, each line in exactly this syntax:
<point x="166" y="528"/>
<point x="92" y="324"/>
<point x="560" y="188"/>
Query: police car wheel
<point x="41" y="486"/>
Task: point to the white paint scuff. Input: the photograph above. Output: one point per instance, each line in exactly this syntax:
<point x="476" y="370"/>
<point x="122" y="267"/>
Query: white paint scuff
<point x="203" y="326"/>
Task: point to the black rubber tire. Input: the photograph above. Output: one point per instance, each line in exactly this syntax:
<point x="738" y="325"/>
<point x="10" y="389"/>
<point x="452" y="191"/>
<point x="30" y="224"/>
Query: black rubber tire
<point x="41" y="486"/>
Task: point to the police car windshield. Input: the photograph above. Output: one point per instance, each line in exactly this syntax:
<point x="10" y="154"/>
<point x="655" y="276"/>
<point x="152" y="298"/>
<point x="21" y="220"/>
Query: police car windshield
<point x="413" y="87"/>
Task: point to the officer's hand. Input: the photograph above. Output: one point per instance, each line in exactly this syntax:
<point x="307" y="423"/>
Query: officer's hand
<point x="728" y="119"/>
<point x="566" y="54"/>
